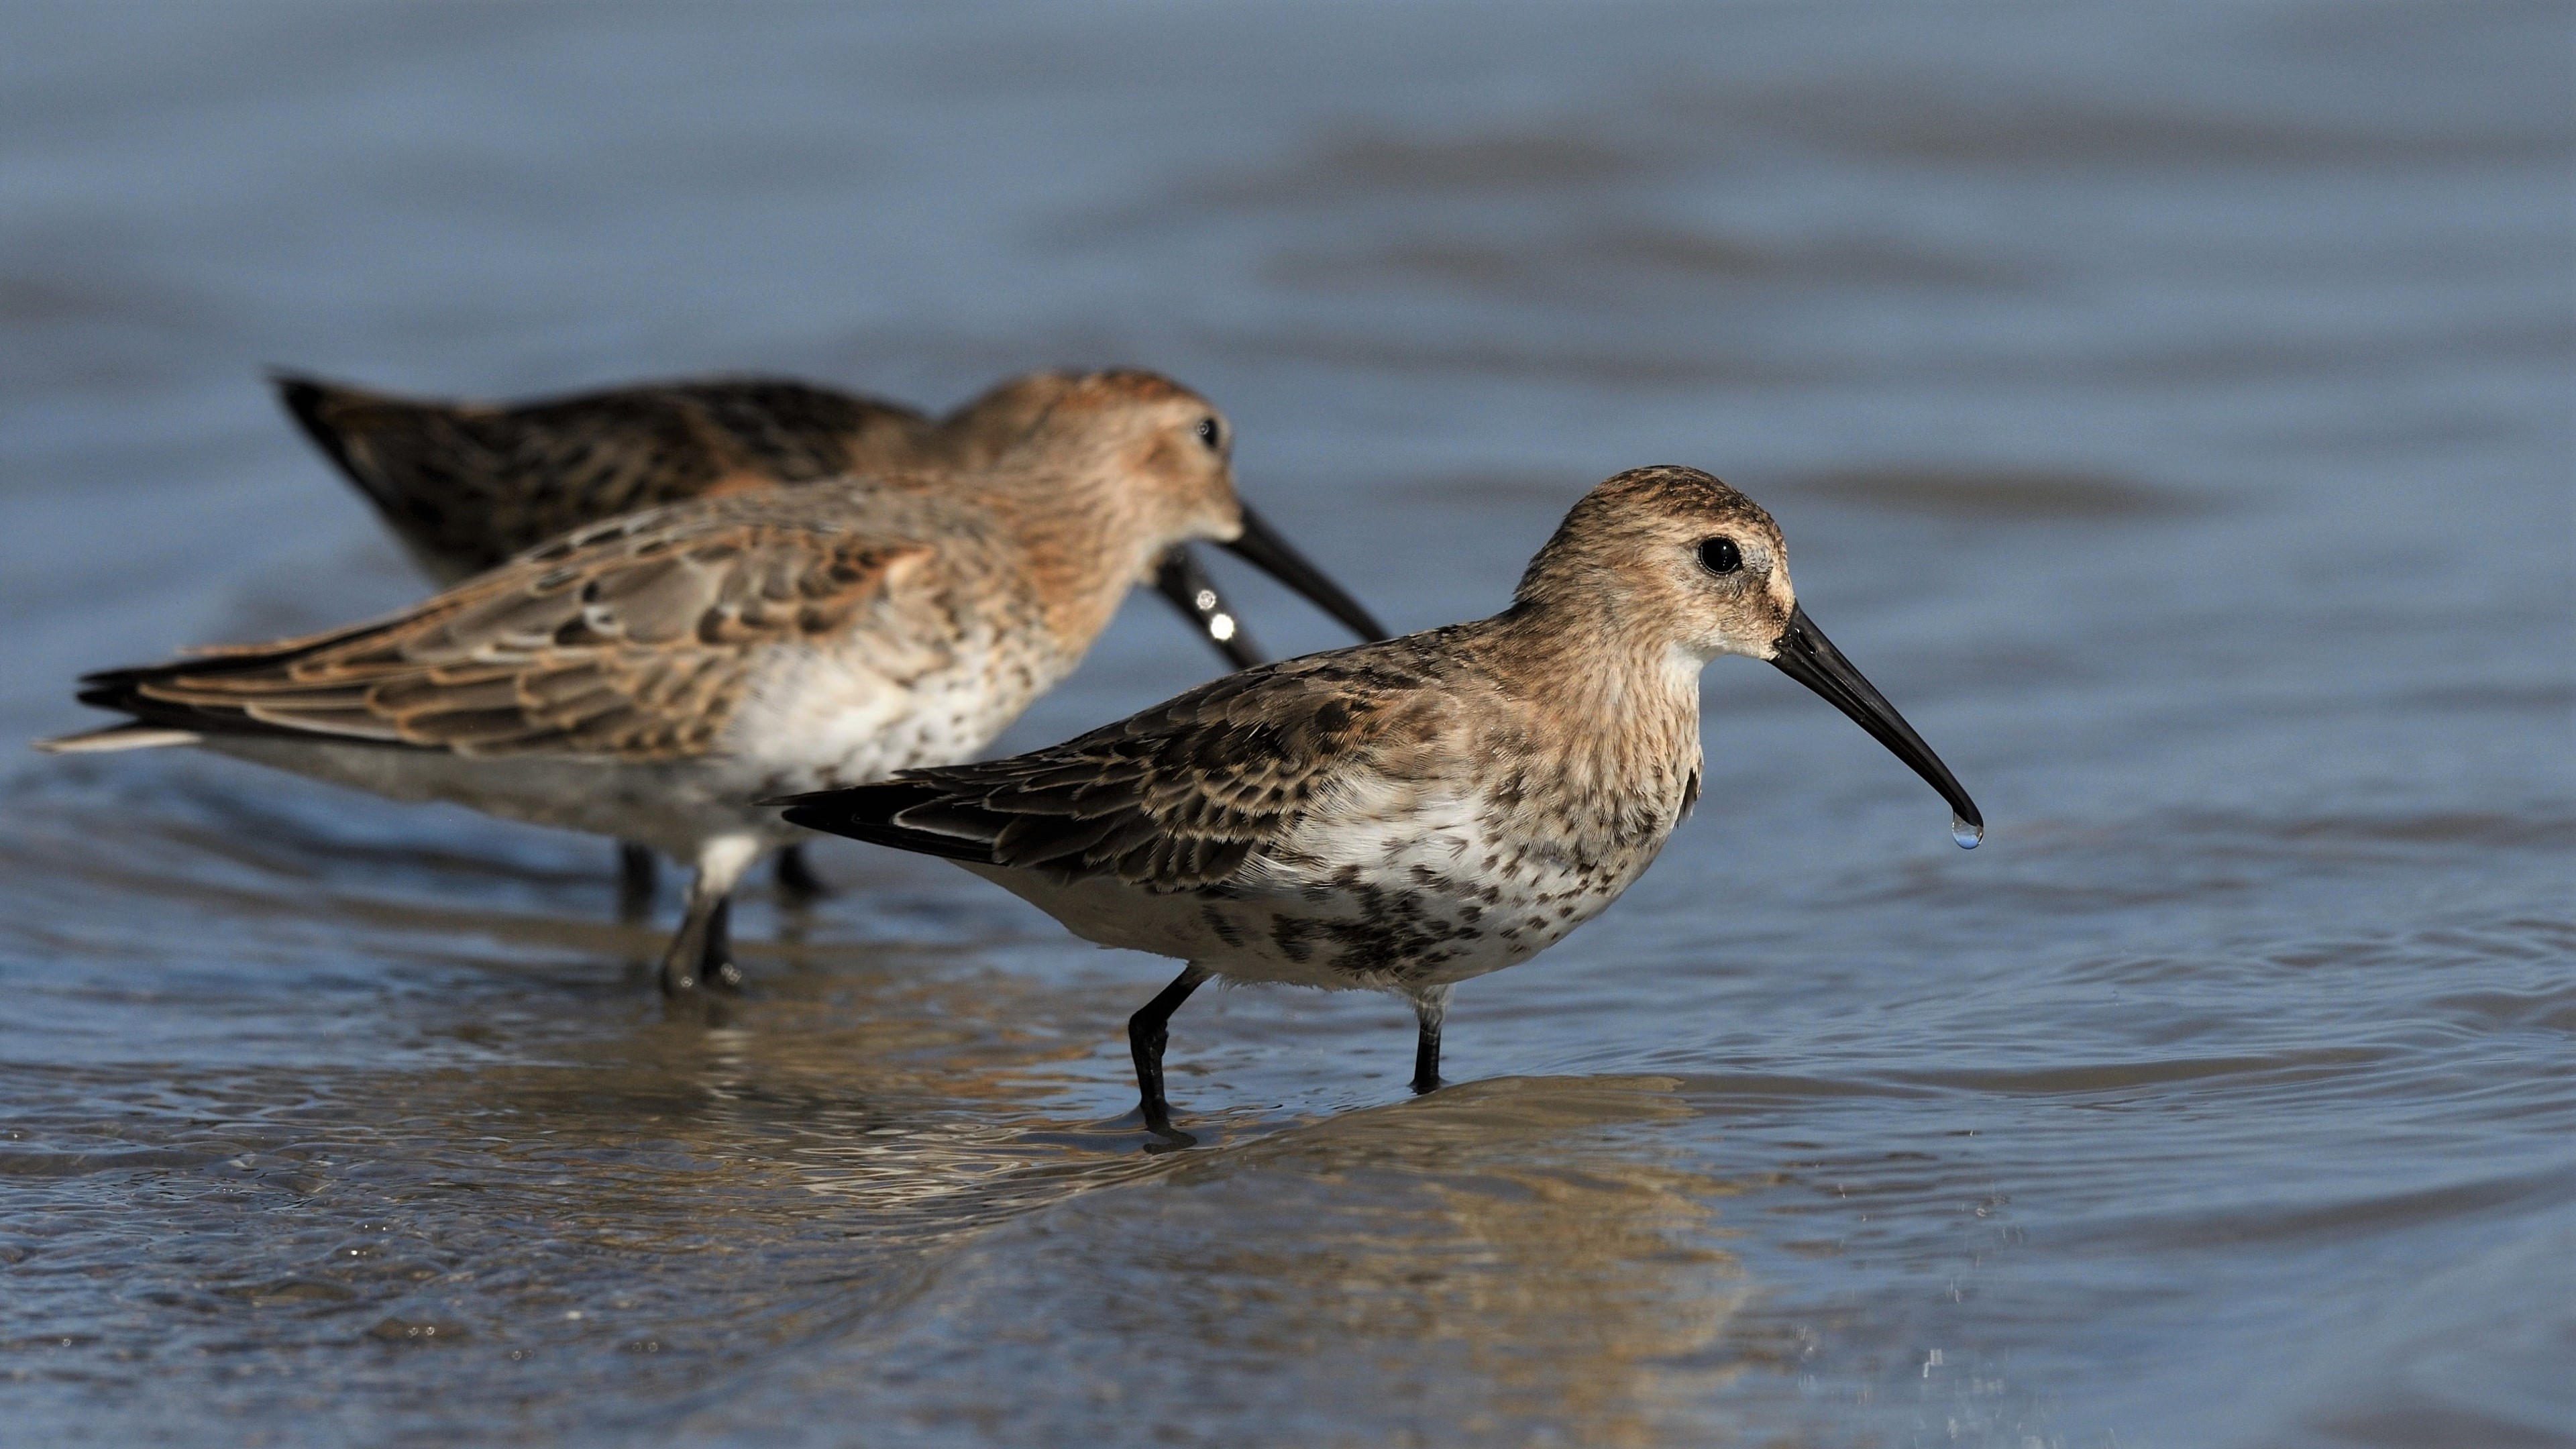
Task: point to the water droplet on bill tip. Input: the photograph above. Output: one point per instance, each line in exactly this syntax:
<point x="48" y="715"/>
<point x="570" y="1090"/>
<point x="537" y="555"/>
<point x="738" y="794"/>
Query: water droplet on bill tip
<point x="1968" y="836"/>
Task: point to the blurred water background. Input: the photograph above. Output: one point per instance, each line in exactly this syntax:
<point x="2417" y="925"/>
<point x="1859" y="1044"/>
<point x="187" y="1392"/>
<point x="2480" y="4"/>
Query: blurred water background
<point x="2169" y="406"/>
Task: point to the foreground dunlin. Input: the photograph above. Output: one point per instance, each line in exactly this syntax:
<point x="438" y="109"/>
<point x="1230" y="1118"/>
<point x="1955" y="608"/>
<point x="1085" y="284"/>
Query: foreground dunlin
<point x="466" y="486"/>
<point x="1407" y="815"/>
<point x="651" y="677"/>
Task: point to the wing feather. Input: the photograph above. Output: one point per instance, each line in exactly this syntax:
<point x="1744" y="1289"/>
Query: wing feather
<point x="637" y="643"/>
<point x="472" y="484"/>
<point x="1177" y="798"/>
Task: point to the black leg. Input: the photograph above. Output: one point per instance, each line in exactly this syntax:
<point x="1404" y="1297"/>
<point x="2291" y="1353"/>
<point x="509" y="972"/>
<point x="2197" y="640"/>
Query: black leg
<point x="687" y="951"/>
<point x="796" y="878"/>
<point x="1430" y="1011"/>
<point x="1147" y="1031"/>
<point x="715" y="958"/>
<point x="697" y="956"/>
<point x="637" y="874"/>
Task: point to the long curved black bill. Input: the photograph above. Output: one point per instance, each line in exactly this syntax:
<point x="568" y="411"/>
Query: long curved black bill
<point x="1807" y="656"/>
<point x="1262" y="547"/>
<point x="1180" y="579"/>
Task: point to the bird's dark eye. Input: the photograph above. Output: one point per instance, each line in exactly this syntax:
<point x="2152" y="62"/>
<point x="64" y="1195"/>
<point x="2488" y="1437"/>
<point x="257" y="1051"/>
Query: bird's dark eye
<point x="1208" y="431"/>
<point x="1720" y="556"/>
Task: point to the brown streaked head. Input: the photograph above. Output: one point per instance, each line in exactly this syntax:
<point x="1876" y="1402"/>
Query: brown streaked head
<point x="1702" y="569"/>
<point x="1132" y="446"/>
<point x="1171" y="452"/>
<point x="1643" y="551"/>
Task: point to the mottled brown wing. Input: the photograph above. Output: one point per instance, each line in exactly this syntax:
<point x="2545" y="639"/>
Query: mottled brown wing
<point x="471" y="485"/>
<point x="634" y="644"/>
<point x="1173" y="799"/>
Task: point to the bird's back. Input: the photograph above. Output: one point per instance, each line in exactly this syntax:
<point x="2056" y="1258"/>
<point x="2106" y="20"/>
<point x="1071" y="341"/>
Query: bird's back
<point x="466" y="485"/>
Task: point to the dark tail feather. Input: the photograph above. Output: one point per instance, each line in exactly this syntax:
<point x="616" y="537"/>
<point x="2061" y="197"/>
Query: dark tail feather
<point x="868" y="812"/>
<point x="417" y="462"/>
<point x="316" y="406"/>
<point x="123" y="690"/>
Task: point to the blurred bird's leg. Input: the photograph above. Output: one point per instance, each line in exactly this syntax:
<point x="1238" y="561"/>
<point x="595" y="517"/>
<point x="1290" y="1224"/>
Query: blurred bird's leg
<point x="715" y="957"/>
<point x="699" y="954"/>
<point x="1147" y="1031"/>
<point x="1430" y="1008"/>
<point x="796" y="878"/>
<point x="638" y="873"/>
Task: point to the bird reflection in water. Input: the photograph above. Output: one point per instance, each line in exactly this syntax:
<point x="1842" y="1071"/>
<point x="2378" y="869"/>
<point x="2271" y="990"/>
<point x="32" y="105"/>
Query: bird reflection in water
<point x="1497" y="1257"/>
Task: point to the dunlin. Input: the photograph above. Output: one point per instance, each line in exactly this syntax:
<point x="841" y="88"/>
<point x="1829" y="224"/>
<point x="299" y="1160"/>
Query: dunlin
<point x="467" y="486"/>
<point x="651" y="677"/>
<point x="1401" y="816"/>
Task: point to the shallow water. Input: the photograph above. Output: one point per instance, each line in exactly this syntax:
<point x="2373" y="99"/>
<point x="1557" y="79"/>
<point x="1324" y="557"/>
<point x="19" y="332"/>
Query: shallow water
<point x="2168" y="410"/>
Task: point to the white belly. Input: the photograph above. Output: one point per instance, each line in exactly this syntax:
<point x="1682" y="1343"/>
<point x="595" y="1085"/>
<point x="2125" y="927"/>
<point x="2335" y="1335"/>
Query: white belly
<point x="1421" y="899"/>
<point x="821" y="719"/>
